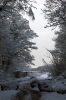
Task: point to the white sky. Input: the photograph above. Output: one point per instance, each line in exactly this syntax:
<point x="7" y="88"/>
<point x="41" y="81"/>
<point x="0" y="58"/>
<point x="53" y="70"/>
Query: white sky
<point x="45" y="35"/>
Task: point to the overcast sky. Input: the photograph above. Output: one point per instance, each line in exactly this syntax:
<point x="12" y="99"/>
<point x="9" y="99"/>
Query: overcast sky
<point x="45" y="35"/>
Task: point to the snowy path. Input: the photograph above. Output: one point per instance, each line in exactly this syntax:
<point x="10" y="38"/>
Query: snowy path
<point x="53" y="96"/>
<point x="57" y="84"/>
<point x="7" y="94"/>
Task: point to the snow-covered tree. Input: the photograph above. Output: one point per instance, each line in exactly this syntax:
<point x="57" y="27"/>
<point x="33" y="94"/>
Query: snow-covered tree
<point x="15" y="33"/>
<point x="15" y="42"/>
<point x="22" y="39"/>
<point x="15" y="37"/>
<point x="5" y="43"/>
<point x="11" y="6"/>
<point x="55" y="13"/>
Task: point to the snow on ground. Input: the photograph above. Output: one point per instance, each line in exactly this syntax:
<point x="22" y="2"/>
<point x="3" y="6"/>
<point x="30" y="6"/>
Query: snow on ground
<point x="14" y="83"/>
<point x="7" y="94"/>
<point x="39" y="75"/>
<point x="43" y="76"/>
<point x="52" y="96"/>
<point x="58" y="84"/>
